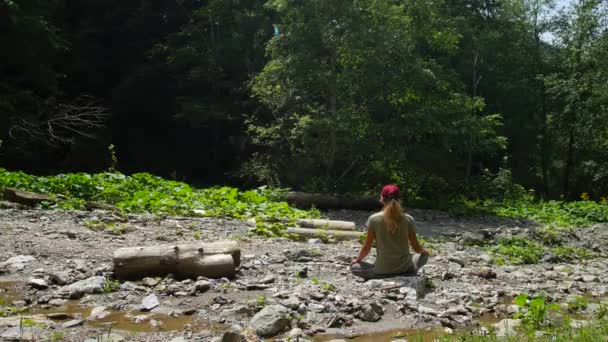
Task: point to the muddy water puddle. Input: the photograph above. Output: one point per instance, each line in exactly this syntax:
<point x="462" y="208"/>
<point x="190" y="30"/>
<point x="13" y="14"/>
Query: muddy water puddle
<point x="116" y="320"/>
<point x="387" y="336"/>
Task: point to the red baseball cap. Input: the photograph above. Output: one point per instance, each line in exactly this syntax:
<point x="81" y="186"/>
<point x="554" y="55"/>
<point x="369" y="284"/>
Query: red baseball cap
<point x="390" y="191"/>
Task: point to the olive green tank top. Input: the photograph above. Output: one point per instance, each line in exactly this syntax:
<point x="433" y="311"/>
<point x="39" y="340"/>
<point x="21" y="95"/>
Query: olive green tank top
<point x="393" y="250"/>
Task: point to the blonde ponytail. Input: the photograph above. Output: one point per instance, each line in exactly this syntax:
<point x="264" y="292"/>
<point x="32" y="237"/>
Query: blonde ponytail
<point x="393" y="215"/>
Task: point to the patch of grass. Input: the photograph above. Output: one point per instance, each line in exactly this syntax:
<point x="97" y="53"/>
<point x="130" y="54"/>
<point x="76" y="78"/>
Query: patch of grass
<point x="577" y="303"/>
<point x="260" y="301"/>
<point x="143" y="192"/>
<point x="58" y="336"/>
<point x="110" y="286"/>
<point x="196" y="235"/>
<point x="571" y="253"/>
<point x="517" y="251"/>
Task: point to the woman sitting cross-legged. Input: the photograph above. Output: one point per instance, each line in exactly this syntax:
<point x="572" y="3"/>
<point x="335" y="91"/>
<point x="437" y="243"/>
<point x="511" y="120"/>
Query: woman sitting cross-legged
<point x="394" y="233"/>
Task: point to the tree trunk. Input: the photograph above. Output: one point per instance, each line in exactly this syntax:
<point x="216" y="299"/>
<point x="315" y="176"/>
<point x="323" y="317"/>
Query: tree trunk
<point x="322" y="233"/>
<point x="322" y="201"/>
<point x="212" y="260"/>
<point x="328" y="224"/>
<point x="569" y="172"/>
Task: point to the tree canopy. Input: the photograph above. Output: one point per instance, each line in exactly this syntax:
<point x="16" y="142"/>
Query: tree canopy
<point x="443" y="97"/>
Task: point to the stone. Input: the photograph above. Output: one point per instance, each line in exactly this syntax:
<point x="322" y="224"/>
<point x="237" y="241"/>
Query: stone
<point x="58" y="315"/>
<point x="149" y="302"/>
<point x="428" y="311"/>
<point x="316" y="307"/>
<point x="417" y="283"/>
<point x="73" y="323"/>
<point x="506" y="327"/>
<point x="26" y="333"/>
<point x="59" y="278"/>
<point x="131" y="286"/>
<point x="202" y="286"/>
<point x="140" y="319"/>
<point x="179" y="339"/>
<point x="235" y="312"/>
<point x="577" y="324"/>
<point x="590" y="278"/>
<point x="270" y="321"/>
<point x="37" y="283"/>
<point x="149" y="282"/>
<point x="267" y="280"/>
<point x="17" y="263"/>
<point x="98" y="312"/>
<point x="371" y="312"/>
<point x="291" y="303"/>
<point x="80" y="288"/>
<point x="113" y="337"/>
<point x="57" y="302"/>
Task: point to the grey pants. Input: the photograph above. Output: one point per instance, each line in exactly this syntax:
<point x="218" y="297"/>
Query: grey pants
<point x="365" y="270"/>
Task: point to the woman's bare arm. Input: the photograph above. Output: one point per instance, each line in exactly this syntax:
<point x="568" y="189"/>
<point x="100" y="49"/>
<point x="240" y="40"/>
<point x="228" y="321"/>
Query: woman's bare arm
<point x="415" y="244"/>
<point x="367" y="246"/>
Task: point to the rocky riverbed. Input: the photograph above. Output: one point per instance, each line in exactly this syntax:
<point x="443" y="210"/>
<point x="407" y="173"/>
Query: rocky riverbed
<point x="56" y="281"/>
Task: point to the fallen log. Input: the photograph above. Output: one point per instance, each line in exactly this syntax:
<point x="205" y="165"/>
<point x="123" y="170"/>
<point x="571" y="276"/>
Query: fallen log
<point x="211" y="260"/>
<point x="322" y="233"/>
<point x="306" y="200"/>
<point x="25" y="197"/>
<point x="317" y="223"/>
<point x="327" y="224"/>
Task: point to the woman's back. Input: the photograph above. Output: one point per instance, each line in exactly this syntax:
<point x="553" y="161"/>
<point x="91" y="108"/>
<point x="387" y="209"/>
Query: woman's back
<point x="393" y="252"/>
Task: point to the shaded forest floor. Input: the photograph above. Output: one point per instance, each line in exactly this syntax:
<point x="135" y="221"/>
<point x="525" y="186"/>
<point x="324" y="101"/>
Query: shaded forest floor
<point x="310" y="278"/>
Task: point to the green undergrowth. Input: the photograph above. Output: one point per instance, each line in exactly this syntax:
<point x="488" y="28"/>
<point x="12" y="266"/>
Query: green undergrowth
<point x="582" y="213"/>
<point x="540" y="320"/>
<point x="146" y="193"/>
<point x="518" y="250"/>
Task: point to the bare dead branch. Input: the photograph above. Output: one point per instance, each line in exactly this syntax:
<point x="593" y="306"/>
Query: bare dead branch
<point x="60" y="123"/>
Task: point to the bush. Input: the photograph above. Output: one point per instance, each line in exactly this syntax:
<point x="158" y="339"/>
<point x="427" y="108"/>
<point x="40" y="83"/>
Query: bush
<point x="143" y="192"/>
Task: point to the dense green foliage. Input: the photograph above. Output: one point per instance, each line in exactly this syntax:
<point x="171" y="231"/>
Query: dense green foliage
<point x="143" y="192"/>
<point x="437" y="96"/>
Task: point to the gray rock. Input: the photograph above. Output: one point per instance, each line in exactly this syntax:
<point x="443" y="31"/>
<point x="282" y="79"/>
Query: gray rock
<point x="58" y="315"/>
<point x="72" y="323"/>
<point x="590" y="278"/>
<point x="59" y="278"/>
<point x="270" y="321"/>
<point x="428" y="311"/>
<point x="98" y="312"/>
<point x="267" y="280"/>
<point x="506" y="327"/>
<point x="37" y="283"/>
<point x="17" y="263"/>
<point x="57" y="302"/>
<point x="150" y="282"/>
<point x="179" y="339"/>
<point x="113" y="337"/>
<point x="202" y="286"/>
<point x="131" y="286"/>
<point x="82" y="287"/>
<point x="417" y="283"/>
<point x="316" y="307"/>
<point x="291" y="302"/>
<point x="149" y="302"/>
<point x="235" y="312"/>
<point x="140" y="319"/>
<point x="371" y="312"/>
<point x="26" y="333"/>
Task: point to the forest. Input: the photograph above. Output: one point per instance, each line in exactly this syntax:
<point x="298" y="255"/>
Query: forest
<point x="447" y="98"/>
